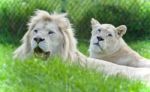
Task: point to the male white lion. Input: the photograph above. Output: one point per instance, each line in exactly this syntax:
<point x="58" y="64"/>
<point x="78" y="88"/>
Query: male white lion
<point x="52" y="34"/>
<point x="107" y="44"/>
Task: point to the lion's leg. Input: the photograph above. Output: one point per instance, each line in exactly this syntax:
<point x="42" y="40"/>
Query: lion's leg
<point x="143" y="63"/>
<point x="114" y="69"/>
<point x="109" y="68"/>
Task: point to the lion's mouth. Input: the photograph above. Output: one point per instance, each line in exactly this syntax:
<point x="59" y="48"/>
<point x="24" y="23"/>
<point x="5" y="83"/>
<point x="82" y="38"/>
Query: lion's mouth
<point x="40" y="53"/>
<point x="38" y="50"/>
<point x="97" y="44"/>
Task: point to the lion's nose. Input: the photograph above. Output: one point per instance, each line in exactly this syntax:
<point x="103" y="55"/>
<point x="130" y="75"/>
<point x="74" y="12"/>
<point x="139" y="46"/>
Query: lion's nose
<point x="38" y="39"/>
<point x="99" y="38"/>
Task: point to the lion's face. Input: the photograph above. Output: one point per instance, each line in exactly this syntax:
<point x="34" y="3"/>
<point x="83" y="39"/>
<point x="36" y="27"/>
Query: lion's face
<point x="45" y="37"/>
<point x="105" y="37"/>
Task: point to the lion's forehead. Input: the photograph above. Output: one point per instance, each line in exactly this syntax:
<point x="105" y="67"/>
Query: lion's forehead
<point x="105" y="30"/>
<point x="108" y="28"/>
<point x="46" y="25"/>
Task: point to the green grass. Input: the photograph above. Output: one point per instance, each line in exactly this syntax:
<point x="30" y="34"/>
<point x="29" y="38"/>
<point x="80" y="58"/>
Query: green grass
<point x="54" y="76"/>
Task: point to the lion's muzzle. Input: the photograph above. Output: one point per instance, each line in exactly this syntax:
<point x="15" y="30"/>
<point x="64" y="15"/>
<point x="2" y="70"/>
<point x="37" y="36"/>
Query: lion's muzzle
<point x="40" y="53"/>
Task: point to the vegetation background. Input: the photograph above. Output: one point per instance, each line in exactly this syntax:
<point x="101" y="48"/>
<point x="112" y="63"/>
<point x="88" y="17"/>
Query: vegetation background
<point x="39" y="76"/>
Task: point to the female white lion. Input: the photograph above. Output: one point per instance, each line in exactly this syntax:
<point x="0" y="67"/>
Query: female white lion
<point x="107" y="44"/>
<point x="52" y="34"/>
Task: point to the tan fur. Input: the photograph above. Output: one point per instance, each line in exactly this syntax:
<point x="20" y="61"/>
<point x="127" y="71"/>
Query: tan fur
<point x="69" y="50"/>
<point x="121" y="53"/>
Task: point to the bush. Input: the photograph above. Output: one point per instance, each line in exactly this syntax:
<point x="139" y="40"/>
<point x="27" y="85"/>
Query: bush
<point x="15" y="15"/>
<point x="134" y="13"/>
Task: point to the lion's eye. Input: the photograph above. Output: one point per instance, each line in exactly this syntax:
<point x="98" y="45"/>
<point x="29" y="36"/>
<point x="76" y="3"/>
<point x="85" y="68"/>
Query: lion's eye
<point x="110" y="35"/>
<point x="99" y="30"/>
<point x="35" y="31"/>
<point x="50" y="32"/>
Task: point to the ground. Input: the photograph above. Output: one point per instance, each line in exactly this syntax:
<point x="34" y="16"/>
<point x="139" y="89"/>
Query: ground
<point x="54" y="76"/>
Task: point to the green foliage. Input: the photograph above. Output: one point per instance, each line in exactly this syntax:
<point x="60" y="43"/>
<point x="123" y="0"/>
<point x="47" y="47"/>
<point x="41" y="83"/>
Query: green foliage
<point x="14" y="14"/>
<point x="132" y="13"/>
<point x="36" y="75"/>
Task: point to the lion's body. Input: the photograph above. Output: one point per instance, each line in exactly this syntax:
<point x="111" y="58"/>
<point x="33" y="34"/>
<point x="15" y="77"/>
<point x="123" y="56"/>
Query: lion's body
<point x="114" y="49"/>
<point x="66" y="47"/>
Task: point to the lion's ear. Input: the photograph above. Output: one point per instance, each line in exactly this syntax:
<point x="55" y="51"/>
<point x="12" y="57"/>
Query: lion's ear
<point x="94" y="22"/>
<point x="121" y="30"/>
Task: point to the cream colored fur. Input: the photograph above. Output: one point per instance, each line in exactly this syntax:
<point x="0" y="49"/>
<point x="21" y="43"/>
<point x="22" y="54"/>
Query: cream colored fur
<point x="67" y="50"/>
<point x="114" y="48"/>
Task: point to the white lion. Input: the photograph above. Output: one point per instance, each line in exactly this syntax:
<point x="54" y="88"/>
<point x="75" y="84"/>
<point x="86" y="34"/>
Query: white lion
<point x="52" y="34"/>
<point x="107" y="44"/>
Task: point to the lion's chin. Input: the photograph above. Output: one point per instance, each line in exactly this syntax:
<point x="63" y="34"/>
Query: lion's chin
<point x="38" y="52"/>
<point x="97" y="48"/>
